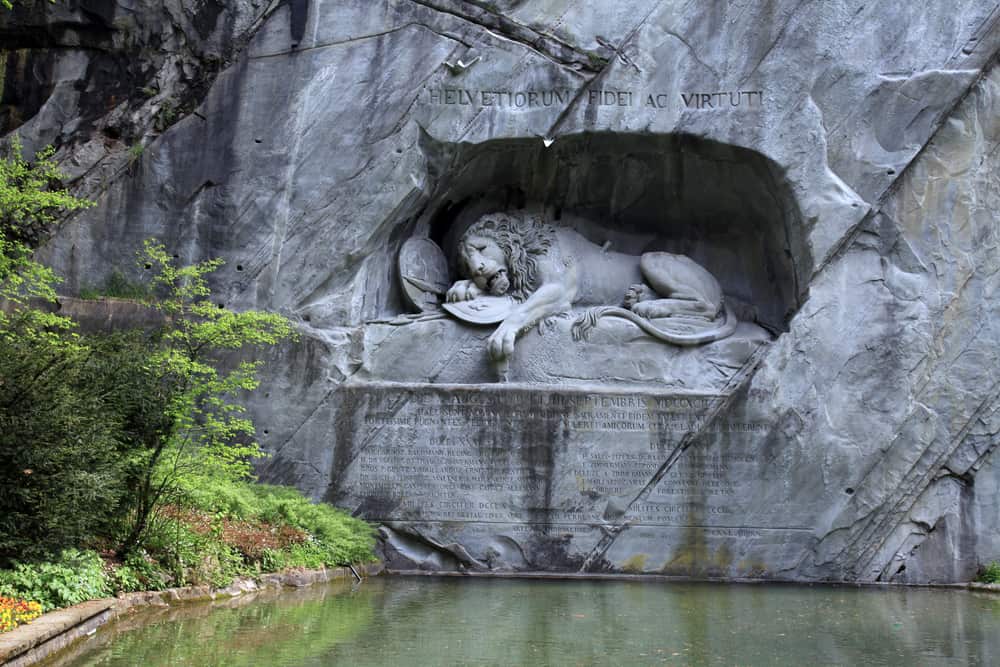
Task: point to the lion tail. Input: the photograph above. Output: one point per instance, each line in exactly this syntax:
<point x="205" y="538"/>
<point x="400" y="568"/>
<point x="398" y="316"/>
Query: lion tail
<point x="586" y="322"/>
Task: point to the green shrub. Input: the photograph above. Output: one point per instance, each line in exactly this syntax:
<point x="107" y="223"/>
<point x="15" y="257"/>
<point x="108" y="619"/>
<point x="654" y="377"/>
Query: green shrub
<point x="77" y="576"/>
<point x="310" y="555"/>
<point x="343" y="538"/>
<point x="216" y="565"/>
<point x="97" y="433"/>
<point x="989" y="574"/>
<point x="313" y="555"/>
<point x="123" y="579"/>
<point x="137" y="573"/>
<point x="135" y="151"/>
<point x="191" y="558"/>
<point x="62" y="458"/>
<point x="166" y="116"/>
<point x="338" y="538"/>
<point x="198" y="426"/>
<point x="236" y="500"/>
<point x="61" y="464"/>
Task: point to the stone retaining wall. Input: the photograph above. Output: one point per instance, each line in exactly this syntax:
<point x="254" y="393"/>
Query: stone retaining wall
<point x="56" y="630"/>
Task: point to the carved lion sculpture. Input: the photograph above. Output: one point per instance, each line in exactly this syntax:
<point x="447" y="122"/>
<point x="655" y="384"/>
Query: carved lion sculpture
<point x="547" y="270"/>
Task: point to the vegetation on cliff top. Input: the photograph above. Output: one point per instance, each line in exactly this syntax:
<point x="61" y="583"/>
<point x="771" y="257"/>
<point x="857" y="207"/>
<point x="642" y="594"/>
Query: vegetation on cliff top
<point x="9" y="4"/>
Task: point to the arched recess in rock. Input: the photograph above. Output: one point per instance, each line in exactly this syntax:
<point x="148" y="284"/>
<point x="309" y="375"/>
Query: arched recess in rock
<point x="729" y="208"/>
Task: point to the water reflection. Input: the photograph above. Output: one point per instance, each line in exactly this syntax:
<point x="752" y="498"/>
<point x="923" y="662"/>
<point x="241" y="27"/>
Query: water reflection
<point x="500" y="622"/>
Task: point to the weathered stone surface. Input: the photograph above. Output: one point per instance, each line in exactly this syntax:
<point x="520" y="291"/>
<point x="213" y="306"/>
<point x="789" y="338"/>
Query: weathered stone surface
<point x="103" y="79"/>
<point x="831" y="164"/>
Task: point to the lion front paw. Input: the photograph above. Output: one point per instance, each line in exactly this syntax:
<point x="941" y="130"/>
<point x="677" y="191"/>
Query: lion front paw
<point x="500" y="345"/>
<point x="463" y="290"/>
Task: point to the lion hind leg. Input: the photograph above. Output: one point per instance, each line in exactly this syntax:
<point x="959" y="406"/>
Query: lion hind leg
<point x="680" y="277"/>
<point x="658" y="308"/>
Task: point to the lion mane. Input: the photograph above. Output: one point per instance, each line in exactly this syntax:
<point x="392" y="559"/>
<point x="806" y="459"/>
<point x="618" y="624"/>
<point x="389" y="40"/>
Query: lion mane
<point x="523" y="241"/>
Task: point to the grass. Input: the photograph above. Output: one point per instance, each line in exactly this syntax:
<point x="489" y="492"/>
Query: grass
<point x="135" y="152"/>
<point x="116" y="286"/>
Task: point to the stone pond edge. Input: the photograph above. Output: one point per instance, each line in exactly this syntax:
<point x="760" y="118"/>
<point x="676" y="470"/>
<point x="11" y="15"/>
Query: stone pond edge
<point x="56" y="630"/>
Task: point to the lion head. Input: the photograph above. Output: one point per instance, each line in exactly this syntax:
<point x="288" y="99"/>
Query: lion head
<point x="500" y="253"/>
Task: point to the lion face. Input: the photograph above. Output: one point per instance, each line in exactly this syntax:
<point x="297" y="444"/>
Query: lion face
<point x="485" y="264"/>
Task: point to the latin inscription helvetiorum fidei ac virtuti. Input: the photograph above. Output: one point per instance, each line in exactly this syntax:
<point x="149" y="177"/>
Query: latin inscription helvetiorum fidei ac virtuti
<point x="530" y="99"/>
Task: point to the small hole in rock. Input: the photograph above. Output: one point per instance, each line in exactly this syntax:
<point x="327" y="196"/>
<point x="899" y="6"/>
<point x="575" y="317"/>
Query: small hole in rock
<point x="239" y="267"/>
<point x="147" y="266"/>
<point x="307" y="318"/>
<point x="891" y="172"/>
<point x="399" y="151"/>
<point x="221" y="306"/>
<point x="177" y="256"/>
<point x="258" y="141"/>
<point x="266" y="431"/>
<point x="849" y="491"/>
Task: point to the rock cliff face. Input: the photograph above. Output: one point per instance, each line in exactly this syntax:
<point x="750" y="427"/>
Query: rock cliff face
<point x="832" y="164"/>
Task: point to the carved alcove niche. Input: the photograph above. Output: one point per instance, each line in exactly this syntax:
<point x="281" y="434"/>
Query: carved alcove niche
<point x="727" y="208"/>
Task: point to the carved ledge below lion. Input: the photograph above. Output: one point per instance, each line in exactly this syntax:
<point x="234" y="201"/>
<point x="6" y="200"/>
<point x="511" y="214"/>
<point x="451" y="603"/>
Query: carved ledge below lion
<point x="617" y="353"/>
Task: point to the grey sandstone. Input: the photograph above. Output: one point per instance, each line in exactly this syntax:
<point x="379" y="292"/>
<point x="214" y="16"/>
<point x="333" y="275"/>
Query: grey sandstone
<point x="803" y="194"/>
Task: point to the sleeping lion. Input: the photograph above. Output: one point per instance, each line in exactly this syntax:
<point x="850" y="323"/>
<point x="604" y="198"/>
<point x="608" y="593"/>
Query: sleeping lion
<point x="547" y="270"/>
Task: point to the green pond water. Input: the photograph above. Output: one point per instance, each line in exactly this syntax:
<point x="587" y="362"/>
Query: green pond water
<point x="429" y="621"/>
